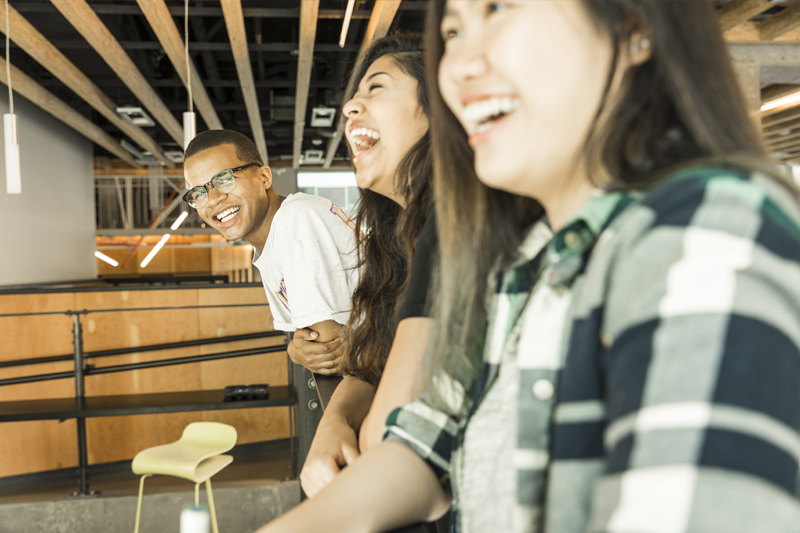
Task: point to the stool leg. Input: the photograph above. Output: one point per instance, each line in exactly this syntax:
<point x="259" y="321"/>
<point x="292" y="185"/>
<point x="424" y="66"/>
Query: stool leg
<point x="197" y="494"/>
<point x="214" y="526"/>
<point x="139" y="503"/>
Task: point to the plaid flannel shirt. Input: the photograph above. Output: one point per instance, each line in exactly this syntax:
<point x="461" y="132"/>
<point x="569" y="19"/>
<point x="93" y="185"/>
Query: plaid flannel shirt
<point x="659" y="357"/>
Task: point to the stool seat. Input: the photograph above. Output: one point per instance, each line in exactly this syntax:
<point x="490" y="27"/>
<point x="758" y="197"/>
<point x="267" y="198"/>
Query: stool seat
<point x="182" y="459"/>
<point x="196" y="456"/>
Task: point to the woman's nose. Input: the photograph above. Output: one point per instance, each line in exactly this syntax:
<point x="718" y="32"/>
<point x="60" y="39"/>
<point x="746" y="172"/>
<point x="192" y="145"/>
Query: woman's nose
<point x="466" y="61"/>
<point x="353" y="107"/>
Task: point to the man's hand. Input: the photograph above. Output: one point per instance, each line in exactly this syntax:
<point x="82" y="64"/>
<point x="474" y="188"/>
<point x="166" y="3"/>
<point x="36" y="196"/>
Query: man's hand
<point x="321" y="358"/>
<point x="334" y="446"/>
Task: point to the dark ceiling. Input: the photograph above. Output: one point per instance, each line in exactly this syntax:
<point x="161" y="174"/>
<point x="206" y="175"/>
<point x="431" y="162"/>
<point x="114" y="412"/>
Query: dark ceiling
<point x="272" y="33"/>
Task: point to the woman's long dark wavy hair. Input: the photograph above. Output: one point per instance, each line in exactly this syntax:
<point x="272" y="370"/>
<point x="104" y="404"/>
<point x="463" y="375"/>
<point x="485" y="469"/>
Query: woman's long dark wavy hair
<point x="385" y="248"/>
<point x="681" y="106"/>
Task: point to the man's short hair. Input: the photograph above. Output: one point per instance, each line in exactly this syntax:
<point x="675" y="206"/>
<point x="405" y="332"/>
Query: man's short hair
<point x="245" y="148"/>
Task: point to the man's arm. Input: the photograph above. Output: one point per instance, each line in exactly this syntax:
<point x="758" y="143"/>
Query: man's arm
<point x="335" y="443"/>
<point x="395" y="388"/>
<point x="319" y="347"/>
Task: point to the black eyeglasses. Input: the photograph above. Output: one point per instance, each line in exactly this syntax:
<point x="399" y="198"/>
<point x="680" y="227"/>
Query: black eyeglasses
<point x="222" y="182"/>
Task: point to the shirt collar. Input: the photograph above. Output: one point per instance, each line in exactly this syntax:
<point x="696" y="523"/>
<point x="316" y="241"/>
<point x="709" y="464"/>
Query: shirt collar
<point x="586" y="225"/>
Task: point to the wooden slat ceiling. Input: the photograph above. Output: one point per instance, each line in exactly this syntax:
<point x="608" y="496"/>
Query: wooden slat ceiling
<point x="260" y="66"/>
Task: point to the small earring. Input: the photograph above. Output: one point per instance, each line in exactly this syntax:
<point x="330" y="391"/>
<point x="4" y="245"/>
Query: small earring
<point x="638" y="46"/>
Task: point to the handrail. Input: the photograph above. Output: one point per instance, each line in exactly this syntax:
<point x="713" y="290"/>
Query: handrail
<point x="140" y="349"/>
<point x="81" y="369"/>
<point x="122" y="310"/>
<point x="144" y="365"/>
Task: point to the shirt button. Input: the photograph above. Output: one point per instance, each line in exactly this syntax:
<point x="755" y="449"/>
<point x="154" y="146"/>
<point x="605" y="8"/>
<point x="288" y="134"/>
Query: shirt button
<point x="572" y="240"/>
<point x="607" y="340"/>
<point x="543" y="389"/>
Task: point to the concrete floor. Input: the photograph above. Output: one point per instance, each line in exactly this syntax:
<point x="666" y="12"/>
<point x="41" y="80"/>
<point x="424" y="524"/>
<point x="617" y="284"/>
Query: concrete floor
<point x="251" y="491"/>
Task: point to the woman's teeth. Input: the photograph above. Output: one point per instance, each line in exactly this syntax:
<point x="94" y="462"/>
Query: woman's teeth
<point x="227" y="214"/>
<point x="482" y="113"/>
<point x="364" y="139"/>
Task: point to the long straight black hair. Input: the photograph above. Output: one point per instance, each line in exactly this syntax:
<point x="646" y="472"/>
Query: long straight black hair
<point x="385" y="248"/>
<point x="682" y="105"/>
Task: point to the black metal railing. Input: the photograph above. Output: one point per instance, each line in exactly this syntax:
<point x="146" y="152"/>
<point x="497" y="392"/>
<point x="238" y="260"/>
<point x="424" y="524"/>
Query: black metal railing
<point x="81" y="369"/>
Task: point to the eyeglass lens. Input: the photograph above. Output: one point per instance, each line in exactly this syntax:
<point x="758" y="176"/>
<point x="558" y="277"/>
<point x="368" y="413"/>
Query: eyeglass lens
<point x="222" y="182"/>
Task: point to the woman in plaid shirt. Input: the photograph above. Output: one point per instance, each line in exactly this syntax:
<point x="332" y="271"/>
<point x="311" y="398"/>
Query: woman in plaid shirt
<point x="617" y="345"/>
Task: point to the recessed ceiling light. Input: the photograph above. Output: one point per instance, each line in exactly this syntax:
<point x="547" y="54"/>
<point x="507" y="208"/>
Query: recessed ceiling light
<point x="136" y="115"/>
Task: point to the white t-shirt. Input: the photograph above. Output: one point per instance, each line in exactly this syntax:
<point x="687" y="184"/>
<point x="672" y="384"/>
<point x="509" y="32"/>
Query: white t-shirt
<point x="308" y="265"/>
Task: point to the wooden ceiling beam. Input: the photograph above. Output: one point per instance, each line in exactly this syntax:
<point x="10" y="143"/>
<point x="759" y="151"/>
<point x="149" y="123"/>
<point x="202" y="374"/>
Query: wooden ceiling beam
<point x="309" y="10"/>
<point x="778" y="120"/>
<point x="775" y="130"/>
<point x="780" y="23"/>
<point x="27" y="87"/>
<point x="782" y="142"/>
<point x="160" y="19"/>
<point x="775" y="91"/>
<point x="787" y="156"/>
<point x="738" y="11"/>
<point x="39" y="48"/>
<point x="750" y="33"/>
<point x="379" y="23"/>
<point x="234" y="20"/>
<point x="89" y="25"/>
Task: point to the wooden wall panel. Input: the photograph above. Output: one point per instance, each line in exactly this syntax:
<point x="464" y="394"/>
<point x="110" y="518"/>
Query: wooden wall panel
<point x="26" y="446"/>
<point x="35" y="446"/>
<point x="231" y="258"/>
<point x="184" y="260"/>
<point x="253" y="425"/>
<point x="25" y="337"/>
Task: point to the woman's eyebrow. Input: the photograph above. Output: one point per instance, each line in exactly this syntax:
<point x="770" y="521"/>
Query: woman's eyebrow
<point x="377" y="74"/>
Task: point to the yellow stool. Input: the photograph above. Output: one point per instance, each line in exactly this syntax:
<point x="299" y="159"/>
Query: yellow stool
<point x="196" y="456"/>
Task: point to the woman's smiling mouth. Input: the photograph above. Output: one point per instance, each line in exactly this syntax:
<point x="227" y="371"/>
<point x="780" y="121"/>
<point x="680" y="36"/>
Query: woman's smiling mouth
<point x="363" y="139"/>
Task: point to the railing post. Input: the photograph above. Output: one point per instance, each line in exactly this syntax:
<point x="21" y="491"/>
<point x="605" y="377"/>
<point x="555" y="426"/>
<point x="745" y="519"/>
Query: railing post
<point x="80" y="366"/>
<point x="293" y="409"/>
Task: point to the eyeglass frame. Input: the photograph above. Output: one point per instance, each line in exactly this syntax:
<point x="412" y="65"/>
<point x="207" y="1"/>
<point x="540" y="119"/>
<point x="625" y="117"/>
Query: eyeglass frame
<point x="211" y="182"/>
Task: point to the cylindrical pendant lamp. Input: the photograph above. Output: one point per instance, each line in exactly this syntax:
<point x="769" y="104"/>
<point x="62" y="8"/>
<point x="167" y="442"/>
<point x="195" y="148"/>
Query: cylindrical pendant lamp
<point x="13" y="174"/>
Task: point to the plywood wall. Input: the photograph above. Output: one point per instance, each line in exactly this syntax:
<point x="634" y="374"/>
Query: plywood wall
<point x="45" y="445"/>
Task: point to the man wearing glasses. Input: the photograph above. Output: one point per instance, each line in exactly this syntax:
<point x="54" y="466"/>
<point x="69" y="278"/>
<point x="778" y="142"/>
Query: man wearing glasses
<point x="304" y="245"/>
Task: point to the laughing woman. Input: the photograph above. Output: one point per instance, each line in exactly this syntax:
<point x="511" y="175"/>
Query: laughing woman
<point x="387" y="133"/>
<point x="636" y="368"/>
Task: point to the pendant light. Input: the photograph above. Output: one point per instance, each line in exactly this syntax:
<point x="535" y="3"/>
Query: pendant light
<point x="13" y="174"/>
<point x="348" y="13"/>
<point x="189" y="124"/>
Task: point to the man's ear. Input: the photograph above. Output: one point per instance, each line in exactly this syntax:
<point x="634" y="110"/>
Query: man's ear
<point x="266" y="176"/>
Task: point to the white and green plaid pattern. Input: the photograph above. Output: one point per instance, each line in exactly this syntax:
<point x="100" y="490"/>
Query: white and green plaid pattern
<point x="659" y="356"/>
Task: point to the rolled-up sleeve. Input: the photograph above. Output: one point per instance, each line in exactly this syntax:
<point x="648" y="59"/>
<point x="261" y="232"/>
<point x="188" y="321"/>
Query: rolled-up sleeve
<point x="428" y="432"/>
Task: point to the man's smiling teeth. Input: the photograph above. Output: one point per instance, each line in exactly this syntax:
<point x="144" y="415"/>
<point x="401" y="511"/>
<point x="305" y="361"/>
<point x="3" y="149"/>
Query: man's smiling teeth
<point x="364" y="138"/>
<point x="227" y="214"/>
<point x="482" y="113"/>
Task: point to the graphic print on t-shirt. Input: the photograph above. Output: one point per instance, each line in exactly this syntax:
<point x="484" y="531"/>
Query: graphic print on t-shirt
<point x="282" y="295"/>
<point x="336" y="210"/>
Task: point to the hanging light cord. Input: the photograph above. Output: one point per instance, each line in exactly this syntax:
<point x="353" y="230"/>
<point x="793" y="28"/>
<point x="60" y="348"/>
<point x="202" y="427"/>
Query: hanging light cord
<point x="8" y="66"/>
<point x="188" y="65"/>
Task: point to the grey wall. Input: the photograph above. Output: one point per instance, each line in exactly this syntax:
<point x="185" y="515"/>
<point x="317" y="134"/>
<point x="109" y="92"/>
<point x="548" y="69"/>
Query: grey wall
<point x="47" y="231"/>
<point x="284" y="181"/>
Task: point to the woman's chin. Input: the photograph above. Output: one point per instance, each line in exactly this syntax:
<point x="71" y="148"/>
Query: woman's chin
<point x="365" y="181"/>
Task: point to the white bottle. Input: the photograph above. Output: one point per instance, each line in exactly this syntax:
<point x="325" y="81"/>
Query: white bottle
<point x="195" y="520"/>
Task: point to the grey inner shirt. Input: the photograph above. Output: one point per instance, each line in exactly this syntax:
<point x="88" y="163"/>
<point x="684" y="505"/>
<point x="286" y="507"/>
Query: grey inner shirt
<point x="487" y="478"/>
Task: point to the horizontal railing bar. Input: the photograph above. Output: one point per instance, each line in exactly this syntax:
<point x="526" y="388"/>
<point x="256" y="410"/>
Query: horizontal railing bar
<point x="141" y="366"/>
<point x="138" y="349"/>
<point x="37" y="378"/>
<point x="183" y="360"/>
<point x="88" y="312"/>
